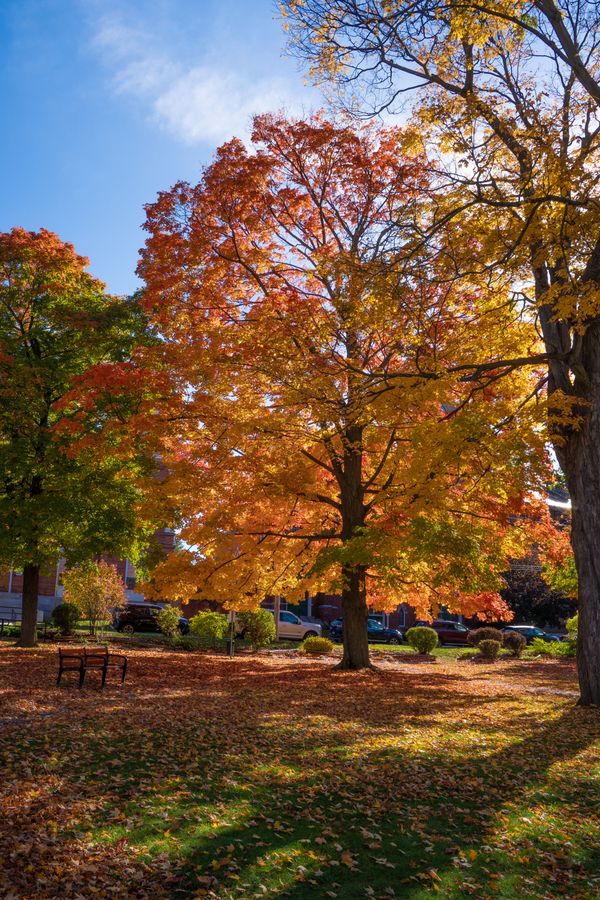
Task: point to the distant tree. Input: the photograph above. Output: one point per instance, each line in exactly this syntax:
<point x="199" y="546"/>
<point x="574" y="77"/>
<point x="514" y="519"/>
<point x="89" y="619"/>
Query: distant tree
<point x="57" y="494"/>
<point x="96" y="589"/>
<point x="532" y="599"/>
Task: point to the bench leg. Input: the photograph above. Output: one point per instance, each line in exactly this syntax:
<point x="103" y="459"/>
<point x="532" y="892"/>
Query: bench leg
<point x="60" y="671"/>
<point x="81" y="675"/>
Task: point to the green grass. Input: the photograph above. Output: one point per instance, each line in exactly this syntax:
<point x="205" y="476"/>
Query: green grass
<point x="441" y="652"/>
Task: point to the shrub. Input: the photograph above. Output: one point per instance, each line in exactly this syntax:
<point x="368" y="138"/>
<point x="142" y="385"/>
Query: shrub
<point x="209" y="627"/>
<point x="557" y="649"/>
<point x="258" y="626"/>
<point x="514" y="642"/>
<point x="489" y="649"/>
<point x="317" y="645"/>
<point x="188" y="642"/>
<point x="573" y="627"/>
<point x="168" y="620"/>
<point x="66" y="616"/>
<point x="422" y="639"/>
<point x="484" y="634"/>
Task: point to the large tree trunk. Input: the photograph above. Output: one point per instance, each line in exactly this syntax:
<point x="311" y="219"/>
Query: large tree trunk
<point x="579" y="456"/>
<point x="355" y="612"/>
<point x="31" y="581"/>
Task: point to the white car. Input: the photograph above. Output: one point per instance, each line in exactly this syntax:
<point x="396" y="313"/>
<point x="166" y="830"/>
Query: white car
<point x="292" y="628"/>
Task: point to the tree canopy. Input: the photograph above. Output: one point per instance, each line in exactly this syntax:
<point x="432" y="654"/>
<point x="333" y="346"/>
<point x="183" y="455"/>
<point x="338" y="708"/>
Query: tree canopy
<point x="323" y="439"/>
<point x="506" y="101"/>
<point x="57" y="325"/>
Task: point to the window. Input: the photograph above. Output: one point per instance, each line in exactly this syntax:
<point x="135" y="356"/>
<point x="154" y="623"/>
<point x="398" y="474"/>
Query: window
<point x="288" y="617"/>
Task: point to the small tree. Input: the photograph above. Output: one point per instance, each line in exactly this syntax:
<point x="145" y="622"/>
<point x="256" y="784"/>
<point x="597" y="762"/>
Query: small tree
<point x="210" y="627"/>
<point x="422" y="639"/>
<point x="96" y="589"/>
<point x="168" y="620"/>
<point x="66" y="616"/>
<point x="258" y="626"/>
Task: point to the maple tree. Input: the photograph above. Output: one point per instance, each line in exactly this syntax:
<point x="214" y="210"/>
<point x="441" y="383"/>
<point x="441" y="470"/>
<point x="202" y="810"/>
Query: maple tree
<point x="317" y="437"/>
<point x="507" y="101"/>
<point x="57" y="324"/>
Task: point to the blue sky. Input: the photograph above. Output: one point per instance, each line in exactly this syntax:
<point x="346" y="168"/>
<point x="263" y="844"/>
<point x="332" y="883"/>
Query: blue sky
<point x="106" y="102"/>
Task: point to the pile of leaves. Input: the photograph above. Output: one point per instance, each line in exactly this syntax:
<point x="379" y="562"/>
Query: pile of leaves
<point x="254" y="777"/>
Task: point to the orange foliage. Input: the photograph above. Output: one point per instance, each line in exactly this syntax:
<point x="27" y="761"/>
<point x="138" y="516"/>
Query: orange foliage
<point x="324" y="417"/>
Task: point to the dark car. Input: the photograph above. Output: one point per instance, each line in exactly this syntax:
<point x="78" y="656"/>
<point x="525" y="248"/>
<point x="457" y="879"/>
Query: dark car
<point x="531" y="632"/>
<point x="376" y="632"/>
<point x="448" y="632"/>
<point x="142" y="617"/>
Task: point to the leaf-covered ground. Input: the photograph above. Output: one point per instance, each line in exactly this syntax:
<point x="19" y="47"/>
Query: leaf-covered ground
<point x="276" y="777"/>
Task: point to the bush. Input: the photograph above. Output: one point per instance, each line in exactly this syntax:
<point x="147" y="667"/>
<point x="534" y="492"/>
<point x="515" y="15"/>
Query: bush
<point x="489" y="649"/>
<point x="317" y="645"/>
<point x="514" y="642"/>
<point x="209" y="627"/>
<point x="484" y="634"/>
<point x="66" y="616"/>
<point x="573" y="627"/>
<point x="258" y="626"/>
<point x="557" y="649"/>
<point x="422" y="639"/>
<point x="186" y="642"/>
<point x="168" y="620"/>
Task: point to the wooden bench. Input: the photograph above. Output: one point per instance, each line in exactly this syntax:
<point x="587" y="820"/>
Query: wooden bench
<point x="84" y="659"/>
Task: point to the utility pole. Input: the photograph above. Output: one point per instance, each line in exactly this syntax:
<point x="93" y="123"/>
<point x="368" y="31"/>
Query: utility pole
<point x="276" y="610"/>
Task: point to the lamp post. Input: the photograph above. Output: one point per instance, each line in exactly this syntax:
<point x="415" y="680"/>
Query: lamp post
<point x="231" y="641"/>
<point x="276" y="611"/>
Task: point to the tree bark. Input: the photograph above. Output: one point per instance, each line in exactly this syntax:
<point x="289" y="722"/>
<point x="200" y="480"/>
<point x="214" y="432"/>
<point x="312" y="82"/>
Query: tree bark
<point x="355" y="612"/>
<point x="31" y="581"/>
<point x="579" y="456"/>
<point x="354" y="599"/>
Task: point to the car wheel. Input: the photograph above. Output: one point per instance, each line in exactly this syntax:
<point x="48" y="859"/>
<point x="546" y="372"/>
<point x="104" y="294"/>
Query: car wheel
<point x="128" y="629"/>
<point x="310" y="634"/>
<point x="394" y="640"/>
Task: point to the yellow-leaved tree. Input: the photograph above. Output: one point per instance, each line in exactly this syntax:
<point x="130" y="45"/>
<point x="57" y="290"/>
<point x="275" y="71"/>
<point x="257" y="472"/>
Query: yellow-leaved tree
<point x="506" y="98"/>
<point x="324" y="430"/>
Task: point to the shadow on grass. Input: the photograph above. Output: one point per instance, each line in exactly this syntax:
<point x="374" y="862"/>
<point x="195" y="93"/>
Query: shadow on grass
<point x="305" y="781"/>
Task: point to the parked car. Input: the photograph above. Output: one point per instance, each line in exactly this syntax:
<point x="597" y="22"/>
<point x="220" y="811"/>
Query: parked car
<point x="292" y="628"/>
<point x="448" y="632"/>
<point x="530" y="632"/>
<point x="376" y="632"/>
<point x="142" y="617"/>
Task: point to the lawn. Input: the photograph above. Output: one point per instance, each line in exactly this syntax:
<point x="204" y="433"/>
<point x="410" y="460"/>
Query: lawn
<point x="277" y="777"/>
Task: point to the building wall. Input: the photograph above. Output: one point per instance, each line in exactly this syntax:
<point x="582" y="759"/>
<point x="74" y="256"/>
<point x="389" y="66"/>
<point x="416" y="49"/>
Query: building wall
<point x="50" y="589"/>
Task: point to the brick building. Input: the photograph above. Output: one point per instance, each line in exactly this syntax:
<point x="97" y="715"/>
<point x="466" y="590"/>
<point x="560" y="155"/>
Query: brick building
<point x="50" y="589"/>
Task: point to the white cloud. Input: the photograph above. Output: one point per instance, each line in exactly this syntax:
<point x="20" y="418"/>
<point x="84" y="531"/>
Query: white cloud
<point x="202" y="103"/>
